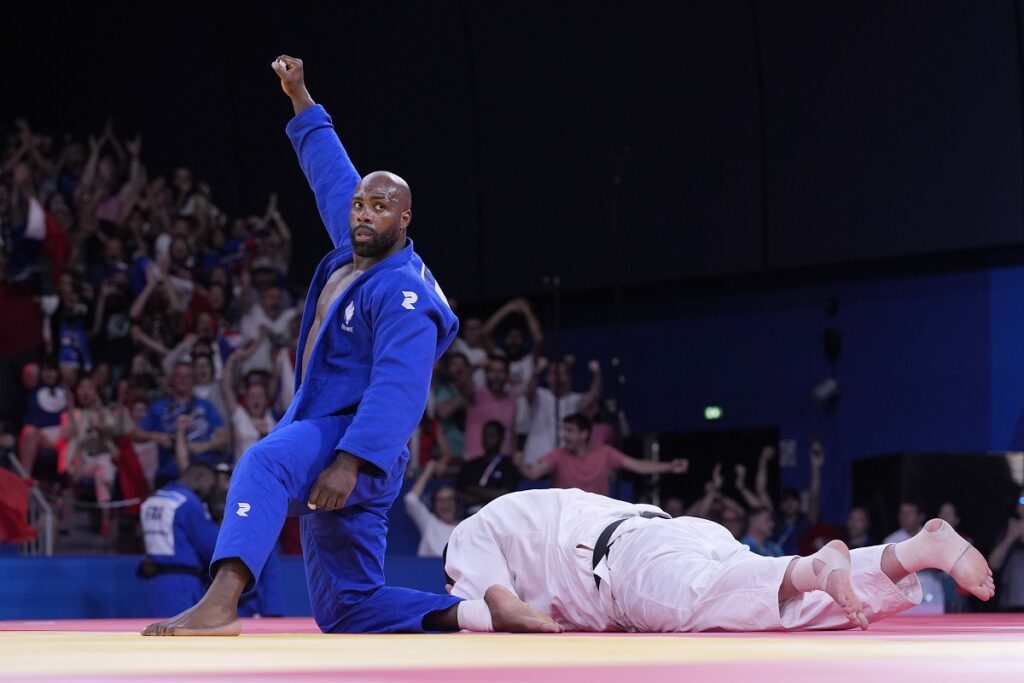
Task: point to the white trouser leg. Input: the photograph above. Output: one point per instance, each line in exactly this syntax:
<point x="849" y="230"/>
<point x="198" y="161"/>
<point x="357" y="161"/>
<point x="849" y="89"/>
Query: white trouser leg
<point x="880" y="596"/>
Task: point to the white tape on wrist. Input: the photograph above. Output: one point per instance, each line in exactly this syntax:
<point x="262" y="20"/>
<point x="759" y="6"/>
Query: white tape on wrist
<point x="474" y="615"/>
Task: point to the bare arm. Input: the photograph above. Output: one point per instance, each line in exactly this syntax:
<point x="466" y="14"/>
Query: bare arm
<point x="677" y="466"/>
<point x="814" y="497"/>
<point x="140" y="337"/>
<point x="421" y="481"/>
<point x="767" y="454"/>
<point x="741" y="486"/>
<point x="712" y="491"/>
<point x="537" y="470"/>
<point x="593" y="395"/>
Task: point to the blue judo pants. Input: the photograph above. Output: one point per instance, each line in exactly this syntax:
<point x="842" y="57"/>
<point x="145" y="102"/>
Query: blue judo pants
<point x="343" y="550"/>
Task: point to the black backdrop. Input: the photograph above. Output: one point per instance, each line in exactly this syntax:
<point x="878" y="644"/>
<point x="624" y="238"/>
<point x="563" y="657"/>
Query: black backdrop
<point x="748" y="136"/>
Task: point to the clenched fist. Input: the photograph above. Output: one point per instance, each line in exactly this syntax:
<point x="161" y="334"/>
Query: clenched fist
<point x="293" y="82"/>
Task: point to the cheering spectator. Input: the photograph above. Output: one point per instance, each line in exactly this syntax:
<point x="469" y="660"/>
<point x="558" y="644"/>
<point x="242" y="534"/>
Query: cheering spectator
<point x="205" y="433"/>
<point x="522" y="356"/>
<point x="579" y="465"/>
<point x="437" y="526"/>
<point x="470" y="343"/>
<point x="491" y="402"/>
<point x="548" y="405"/>
<point x="89" y="431"/>
<point x="47" y="401"/>
<point x="251" y="417"/>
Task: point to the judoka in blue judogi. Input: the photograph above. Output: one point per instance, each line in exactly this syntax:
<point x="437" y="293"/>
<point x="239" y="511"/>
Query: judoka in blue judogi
<point x="368" y="342"/>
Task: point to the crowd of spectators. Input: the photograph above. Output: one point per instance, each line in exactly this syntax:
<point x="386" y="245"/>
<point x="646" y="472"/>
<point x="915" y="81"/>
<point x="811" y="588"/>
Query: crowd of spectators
<point x="143" y="328"/>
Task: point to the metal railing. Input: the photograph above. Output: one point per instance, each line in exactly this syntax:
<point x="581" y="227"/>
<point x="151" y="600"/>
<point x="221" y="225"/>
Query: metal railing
<point x="40" y="516"/>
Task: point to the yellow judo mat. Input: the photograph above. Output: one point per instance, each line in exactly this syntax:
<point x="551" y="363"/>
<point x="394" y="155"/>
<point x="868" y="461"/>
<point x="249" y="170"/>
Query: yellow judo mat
<point x="968" y="648"/>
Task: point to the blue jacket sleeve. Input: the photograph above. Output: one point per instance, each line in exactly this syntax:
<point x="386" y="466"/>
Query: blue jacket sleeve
<point x="404" y="344"/>
<point x="327" y="167"/>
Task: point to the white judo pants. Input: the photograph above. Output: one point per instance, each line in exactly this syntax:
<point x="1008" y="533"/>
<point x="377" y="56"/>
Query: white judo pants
<point x="661" y="575"/>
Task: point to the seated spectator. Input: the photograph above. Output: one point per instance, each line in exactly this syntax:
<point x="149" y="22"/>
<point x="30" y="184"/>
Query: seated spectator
<point x="205" y="432"/>
<point x="89" y="431"/>
<point x="180" y="538"/>
<point x="578" y="465"/>
<point x="437" y="526"/>
<point x="760" y="524"/>
<point x="1007" y="560"/>
<point x="494" y="474"/>
<point x="858" y="528"/>
<point x="557" y="398"/>
<point x="491" y="402"/>
<point x="46" y="402"/>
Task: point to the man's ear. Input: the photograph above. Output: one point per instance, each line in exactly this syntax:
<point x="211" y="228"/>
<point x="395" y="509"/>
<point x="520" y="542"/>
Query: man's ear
<point x="406" y="218"/>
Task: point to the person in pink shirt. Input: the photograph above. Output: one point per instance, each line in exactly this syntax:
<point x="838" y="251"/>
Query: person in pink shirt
<point x="491" y="402"/>
<point x="582" y="465"/>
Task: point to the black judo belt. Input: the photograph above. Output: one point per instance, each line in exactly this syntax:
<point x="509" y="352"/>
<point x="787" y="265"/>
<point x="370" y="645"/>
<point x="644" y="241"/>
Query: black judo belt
<point x="602" y="546"/>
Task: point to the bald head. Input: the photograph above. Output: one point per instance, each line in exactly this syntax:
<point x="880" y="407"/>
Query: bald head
<point x="381" y="211"/>
<point x="386" y="184"/>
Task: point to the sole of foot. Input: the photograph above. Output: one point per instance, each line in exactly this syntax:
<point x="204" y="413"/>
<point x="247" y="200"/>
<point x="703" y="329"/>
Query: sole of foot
<point x="509" y="614"/>
<point x="970" y="570"/>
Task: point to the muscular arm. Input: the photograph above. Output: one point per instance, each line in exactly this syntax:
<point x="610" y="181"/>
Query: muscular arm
<point x="323" y="160"/>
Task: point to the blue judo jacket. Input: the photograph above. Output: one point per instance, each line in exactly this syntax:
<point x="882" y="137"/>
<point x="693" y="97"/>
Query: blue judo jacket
<point x="376" y="349"/>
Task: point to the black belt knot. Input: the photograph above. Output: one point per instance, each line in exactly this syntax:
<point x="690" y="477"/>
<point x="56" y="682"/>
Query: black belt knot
<point x="602" y="546"/>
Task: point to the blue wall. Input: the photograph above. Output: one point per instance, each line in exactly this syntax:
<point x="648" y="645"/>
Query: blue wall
<point x="930" y="363"/>
<point x="106" y="586"/>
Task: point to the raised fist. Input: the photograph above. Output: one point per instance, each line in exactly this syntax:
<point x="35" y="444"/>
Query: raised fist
<point x="293" y="82"/>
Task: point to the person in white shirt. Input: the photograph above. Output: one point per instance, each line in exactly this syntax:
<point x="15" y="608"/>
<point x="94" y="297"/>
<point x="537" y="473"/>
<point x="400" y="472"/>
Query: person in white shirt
<point x="585" y="562"/>
<point x="547" y="407"/>
<point x="435" y="527"/>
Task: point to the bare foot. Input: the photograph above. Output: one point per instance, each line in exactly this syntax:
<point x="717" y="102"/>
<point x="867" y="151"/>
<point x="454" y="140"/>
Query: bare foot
<point x="969" y="568"/>
<point x="826" y="570"/>
<point x="511" y="615"/>
<point x="839" y="587"/>
<point x="202" y="620"/>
